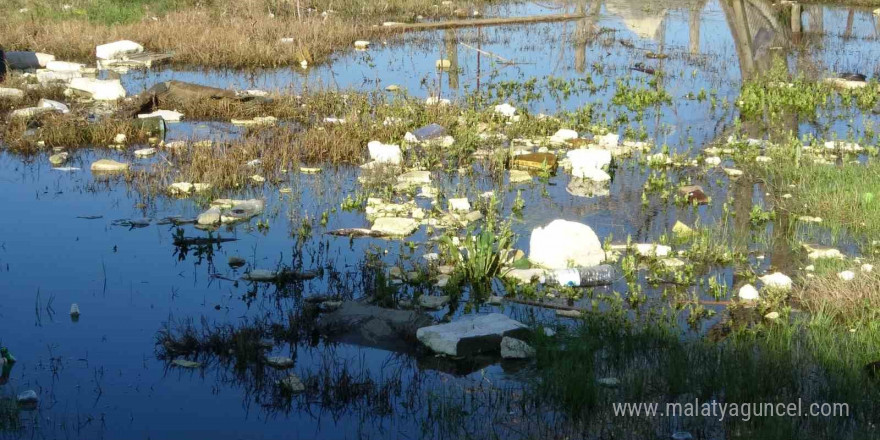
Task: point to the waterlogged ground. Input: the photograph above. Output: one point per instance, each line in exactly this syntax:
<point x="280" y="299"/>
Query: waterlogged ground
<point x="100" y="377"/>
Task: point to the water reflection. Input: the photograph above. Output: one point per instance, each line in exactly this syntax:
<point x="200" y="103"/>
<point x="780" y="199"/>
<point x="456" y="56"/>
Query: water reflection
<point x="130" y="279"/>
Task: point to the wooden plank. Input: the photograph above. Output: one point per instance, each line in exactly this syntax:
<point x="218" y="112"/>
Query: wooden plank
<point x="408" y="27"/>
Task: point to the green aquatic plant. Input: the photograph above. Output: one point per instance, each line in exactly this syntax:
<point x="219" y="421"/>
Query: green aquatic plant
<point x="482" y="256"/>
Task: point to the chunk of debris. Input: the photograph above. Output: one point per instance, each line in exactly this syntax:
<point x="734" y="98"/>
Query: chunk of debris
<point x="292" y="384"/>
<point x="362" y="44"/>
<point x="117" y="49"/>
<point x="98" y="89"/>
<point x="694" y="194"/>
<point x="459" y="205"/>
<point x="572" y="314"/>
<point x="430" y="132"/>
<point x="563" y="243"/>
<point x="53" y="105"/>
<point x="505" y="110"/>
<point x="748" y="293"/>
<point x="472" y="334"/>
<point x="520" y="176"/>
<point x="817" y="252"/>
<point x="28" y="400"/>
<point x="255" y="122"/>
<point x="608" y="141"/>
<point x="535" y="162"/>
<point x="64" y="66"/>
<point x="562" y="136"/>
<point x="414" y="178"/>
<point x="167" y="115"/>
<point x="280" y="362"/>
<point x="145" y="152"/>
<point x="512" y="348"/>
<point x="432" y="302"/>
<point x="58" y="158"/>
<point x="395" y="226"/>
<point x="10" y="93"/>
<point x="185" y="188"/>
<point x="589" y="163"/>
<point x="184" y="363"/>
<point x="358" y="323"/>
<point x="776" y="280"/>
<point x="108" y="165"/>
<point x="384" y="153"/>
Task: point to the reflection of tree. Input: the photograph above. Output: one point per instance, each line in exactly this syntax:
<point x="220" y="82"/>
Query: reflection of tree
<point x="755" y="29"/>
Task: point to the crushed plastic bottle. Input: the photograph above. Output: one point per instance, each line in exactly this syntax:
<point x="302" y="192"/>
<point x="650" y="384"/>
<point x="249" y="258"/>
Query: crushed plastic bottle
<point x="601" y="275"/>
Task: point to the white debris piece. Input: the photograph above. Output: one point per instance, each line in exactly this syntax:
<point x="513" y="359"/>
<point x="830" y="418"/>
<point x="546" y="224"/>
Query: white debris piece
<point x="167" y="115"/>
<point x="505" y="110"/>
<point x="461" y="204"/>
<point x="562" y="244"/>
<point x="64" y="66"/>
<point x="385" y="153"/>
<point x="748" y="293"/>
<point x="117" y="49"/>
<point x="54" y="105"/>
<point x="776" y="280"/>
<point x="99" y="89"/>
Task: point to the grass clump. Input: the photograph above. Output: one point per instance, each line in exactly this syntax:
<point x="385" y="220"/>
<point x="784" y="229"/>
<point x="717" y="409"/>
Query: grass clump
<point x="212" y="33"/>
<point x="768" y="362"/>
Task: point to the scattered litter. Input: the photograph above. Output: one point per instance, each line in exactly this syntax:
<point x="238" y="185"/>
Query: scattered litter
<point x="145" y="152"/>
<point x="109" y="165"/>
<point x="98" y="89"/>
<point x="563" y="243"/>
<point x="167" y="115"/>
<point x="28" y="400"/>
<point x="183" y="363"/>
<point x="748" y="293"/>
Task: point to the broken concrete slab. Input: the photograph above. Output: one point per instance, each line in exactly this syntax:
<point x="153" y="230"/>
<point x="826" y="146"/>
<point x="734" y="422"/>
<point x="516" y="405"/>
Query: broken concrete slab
<point x="472" y="334"/>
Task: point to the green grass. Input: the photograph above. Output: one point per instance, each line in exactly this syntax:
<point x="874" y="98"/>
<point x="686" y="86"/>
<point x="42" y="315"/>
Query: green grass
<point x="843" y="196"/>
<point x="816" y="360"/>
<point x="109" y="12"/>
